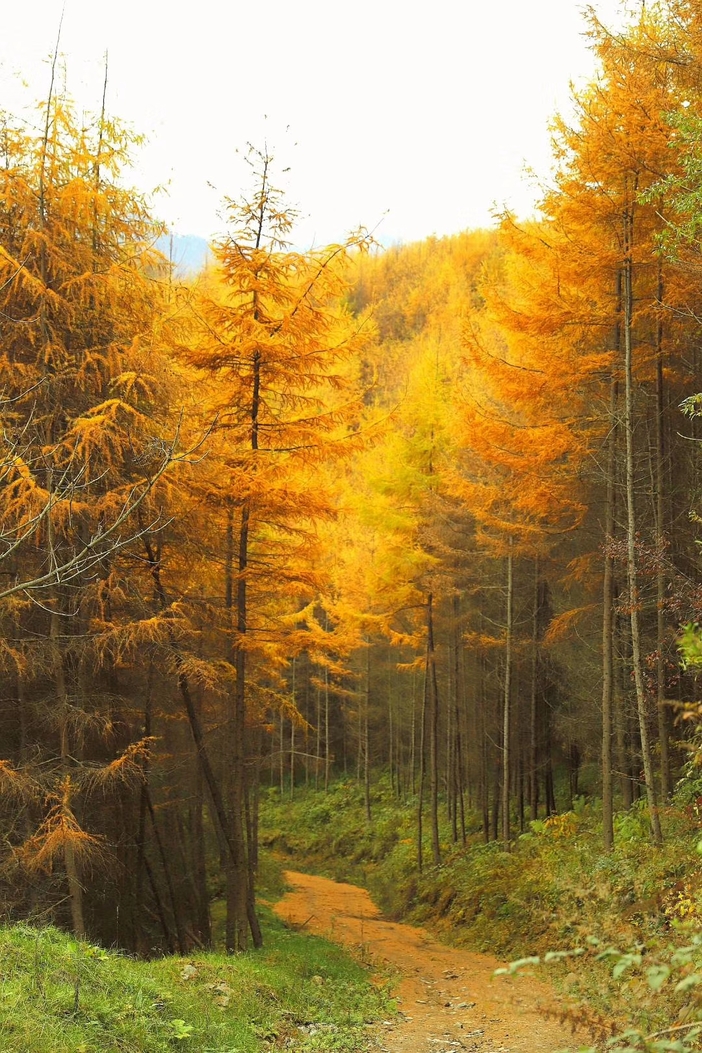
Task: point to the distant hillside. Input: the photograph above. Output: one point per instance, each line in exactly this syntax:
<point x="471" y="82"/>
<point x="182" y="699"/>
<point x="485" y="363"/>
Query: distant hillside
<point x="188" y="251"/>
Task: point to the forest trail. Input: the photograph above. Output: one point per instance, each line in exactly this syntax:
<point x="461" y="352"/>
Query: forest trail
<point x="449" y="999"/>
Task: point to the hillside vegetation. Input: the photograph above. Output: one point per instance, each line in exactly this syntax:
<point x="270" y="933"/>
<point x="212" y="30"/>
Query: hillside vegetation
<point x="68" y="996"/>
<point x="629" y="915"/>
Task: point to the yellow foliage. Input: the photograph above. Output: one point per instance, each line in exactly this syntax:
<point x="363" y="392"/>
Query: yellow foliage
<point x="60" y="830"/>
<point x="127" y="768"/>
<point x="14" y="783"/>
<point x="564" y="624"/>
<point x="564" y="825"/>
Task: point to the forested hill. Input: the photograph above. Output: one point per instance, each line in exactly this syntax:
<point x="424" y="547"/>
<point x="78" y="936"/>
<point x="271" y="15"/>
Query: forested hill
<point x="425" y="520"/>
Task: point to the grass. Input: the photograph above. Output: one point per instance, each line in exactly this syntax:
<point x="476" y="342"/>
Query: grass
<point x="65" y="996"/>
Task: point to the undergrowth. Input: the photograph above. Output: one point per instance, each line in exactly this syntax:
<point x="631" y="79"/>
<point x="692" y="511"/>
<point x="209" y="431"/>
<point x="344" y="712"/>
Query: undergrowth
<point x="67" y="996"/>
<point x="554" y="890"/>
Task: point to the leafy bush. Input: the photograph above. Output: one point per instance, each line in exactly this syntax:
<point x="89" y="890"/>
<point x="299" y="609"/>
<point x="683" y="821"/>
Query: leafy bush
<point x="663" y="987"/>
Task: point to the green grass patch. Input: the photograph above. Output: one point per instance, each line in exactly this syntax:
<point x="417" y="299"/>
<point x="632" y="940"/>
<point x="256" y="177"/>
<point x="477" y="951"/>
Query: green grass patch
<point x="329" y="834"/>
<point x="62" y="995"/>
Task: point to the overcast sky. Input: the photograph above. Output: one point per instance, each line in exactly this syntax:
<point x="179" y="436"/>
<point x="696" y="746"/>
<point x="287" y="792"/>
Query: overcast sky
<point x="419" y="117"/>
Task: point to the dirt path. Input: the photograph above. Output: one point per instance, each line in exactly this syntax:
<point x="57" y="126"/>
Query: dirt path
<point x="449" y="999"/>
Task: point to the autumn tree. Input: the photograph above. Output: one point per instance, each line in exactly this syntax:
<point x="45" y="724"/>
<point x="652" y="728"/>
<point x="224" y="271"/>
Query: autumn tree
<point x="86" y="442"/>
<point x="280" y="346"/>
<point x="612" y="204"/>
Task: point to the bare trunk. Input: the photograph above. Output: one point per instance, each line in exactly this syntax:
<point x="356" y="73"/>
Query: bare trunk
<point x="141" y="829"/>
<point x="660" y="544"/>
<point x="200" y="860"/>
<point x="422" y="768"/>
<point x="292" y="733"/>
<point x="213" y="786"/>
<point x="413" y="738"/>
<point x="166" y="860"/>
<point x="251" y="806"/>
<point x="75" y="889"/>
<point x="236" y="936"/>
<point x="621" y="715"/>
<point x="327" y="752"/>
<point x="608" y="634"/>
<point x="318" y="749"/>
<point x="533" y="704"/>
<point x="631" y="540"/>
<point x="433" y="734"/>
<point x="458" y="739"/>
<point x="391" y="743"/>
<point x="366" y="736"/>
<point x="506" y="705"/>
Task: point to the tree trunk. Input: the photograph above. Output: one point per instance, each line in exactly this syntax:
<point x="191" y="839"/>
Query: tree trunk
<point x="237" y="923"/>
<point x="159" y="907"/>
<point x="460" y="708"/>
<point x="433" y="734"/>
<point x="632" y="538"/>
<point x="506" y="707"/>
<point x="422" y="768"/>
<point x="281" y="753"/>
<point x="318" y="744"/>
<point x="458" y="738"/>
<point x="327" y="752"/>
<point x="621" y="718"/>
<point x="166" y="867"/>
<point x="481" y="703"/>
<point x="200" y="860"/>
<point x="292" y="735"/>
<point x="141" y="828"/>
<point x="392" y="752"/>
<point x="533" y="704"/>
<point x="75" y="889"/>
<point x="413" y="738"/>
<point x="215" y="792"/>
<point x="251" y="804"/>
<point x="608" y="630"/>
<point x="660" y="545"/>
<point x="366" y="736"/>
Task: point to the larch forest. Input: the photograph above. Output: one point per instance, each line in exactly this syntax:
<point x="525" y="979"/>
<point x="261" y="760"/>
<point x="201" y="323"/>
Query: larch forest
<point x="415" y="529"/>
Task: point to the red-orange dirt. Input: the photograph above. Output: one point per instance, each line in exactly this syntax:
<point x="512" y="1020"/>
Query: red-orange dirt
<point x="449" y="999"/>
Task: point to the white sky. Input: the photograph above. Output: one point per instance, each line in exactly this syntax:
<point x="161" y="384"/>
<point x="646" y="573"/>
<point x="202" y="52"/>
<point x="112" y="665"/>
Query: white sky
<point x="422" y="116"/>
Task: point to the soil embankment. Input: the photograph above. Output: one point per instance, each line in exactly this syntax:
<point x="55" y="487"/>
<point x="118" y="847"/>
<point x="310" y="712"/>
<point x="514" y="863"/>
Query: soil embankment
<point x="449" y="999"/>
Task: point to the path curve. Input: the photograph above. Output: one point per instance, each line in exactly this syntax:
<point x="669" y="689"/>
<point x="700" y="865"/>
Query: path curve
<point x="449" y="999"/>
